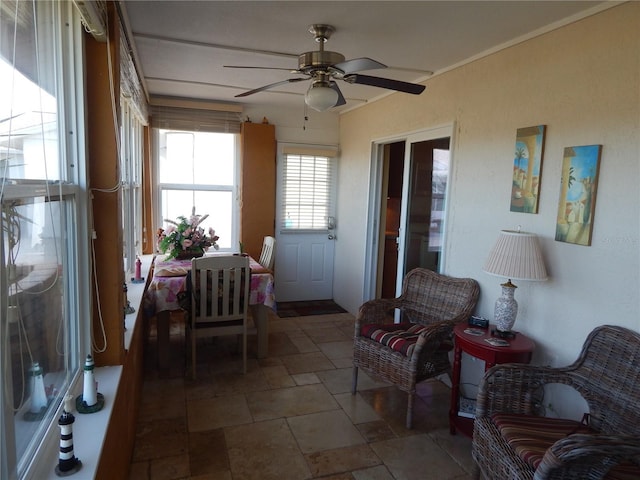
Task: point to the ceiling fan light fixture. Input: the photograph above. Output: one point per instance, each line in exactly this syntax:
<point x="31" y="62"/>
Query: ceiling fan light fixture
<point x="321" y="97"/>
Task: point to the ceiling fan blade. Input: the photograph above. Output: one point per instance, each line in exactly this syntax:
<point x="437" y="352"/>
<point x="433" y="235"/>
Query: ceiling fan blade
<point x="271" y="85"/>
<point x="261" y="68"/>
<point x="341" y="100"/>
<point x="357" y="65"/>
<point x="398" y="85"/>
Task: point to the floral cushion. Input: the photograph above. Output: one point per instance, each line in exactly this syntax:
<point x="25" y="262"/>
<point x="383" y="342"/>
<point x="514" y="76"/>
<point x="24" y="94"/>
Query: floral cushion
<point x="530" y="436"/>
<point x="401" y="337"/>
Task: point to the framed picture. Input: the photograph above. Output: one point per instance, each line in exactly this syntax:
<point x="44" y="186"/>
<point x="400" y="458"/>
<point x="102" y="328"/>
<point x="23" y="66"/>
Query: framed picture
<point x="527" y="167"/>
<point x="578" y="187"/>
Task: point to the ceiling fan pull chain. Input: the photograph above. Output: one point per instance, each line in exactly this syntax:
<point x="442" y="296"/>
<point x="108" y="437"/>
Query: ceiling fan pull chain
<point x="306" y="117"/>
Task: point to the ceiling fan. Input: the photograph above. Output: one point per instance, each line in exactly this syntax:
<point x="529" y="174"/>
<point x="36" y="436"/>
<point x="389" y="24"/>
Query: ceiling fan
<point x="324" y="68"/>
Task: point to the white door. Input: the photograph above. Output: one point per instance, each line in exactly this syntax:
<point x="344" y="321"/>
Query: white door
<point x="304" y="267"/>
<point x="305" y="224"/>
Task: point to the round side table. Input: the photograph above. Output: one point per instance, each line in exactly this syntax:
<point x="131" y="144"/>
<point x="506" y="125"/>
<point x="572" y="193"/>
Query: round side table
<point x="519" y="350"/>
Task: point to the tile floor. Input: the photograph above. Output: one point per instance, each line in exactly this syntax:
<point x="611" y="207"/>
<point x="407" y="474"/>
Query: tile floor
<point x="291" y="417"/>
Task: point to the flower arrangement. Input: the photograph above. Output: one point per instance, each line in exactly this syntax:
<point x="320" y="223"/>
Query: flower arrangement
<point x="186" y="237"/>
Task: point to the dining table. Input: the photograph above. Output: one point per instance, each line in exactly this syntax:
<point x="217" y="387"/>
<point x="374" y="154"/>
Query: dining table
<point x="169" y="281"/>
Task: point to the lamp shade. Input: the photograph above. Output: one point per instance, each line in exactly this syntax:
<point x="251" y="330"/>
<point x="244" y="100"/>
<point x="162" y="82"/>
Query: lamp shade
<point x="517" y="256"/>
<point x="321" y="97"/>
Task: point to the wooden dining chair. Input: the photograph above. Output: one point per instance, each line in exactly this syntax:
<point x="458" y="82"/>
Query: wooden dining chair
<point x="223" y="309"/>
<point x="267" y="256"/>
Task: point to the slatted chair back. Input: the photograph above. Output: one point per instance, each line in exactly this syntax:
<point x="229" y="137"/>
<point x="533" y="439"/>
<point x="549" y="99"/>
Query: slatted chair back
<point x="267" y="255"/>
<point x="219" y="299"/>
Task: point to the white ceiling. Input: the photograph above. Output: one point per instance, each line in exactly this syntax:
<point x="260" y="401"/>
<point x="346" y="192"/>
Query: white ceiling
<point x="182" y="46"/>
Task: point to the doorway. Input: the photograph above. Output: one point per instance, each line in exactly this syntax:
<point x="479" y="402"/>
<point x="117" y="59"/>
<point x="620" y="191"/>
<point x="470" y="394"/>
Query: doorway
<point x="305" y="223"/>
<point x="390" y="216"/>
<point x="408" y="202"/>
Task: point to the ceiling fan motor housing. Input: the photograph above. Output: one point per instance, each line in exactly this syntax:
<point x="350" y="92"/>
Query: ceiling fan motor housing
<point x="310" y="62"/>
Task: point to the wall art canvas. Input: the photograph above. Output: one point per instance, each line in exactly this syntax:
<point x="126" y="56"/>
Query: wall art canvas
<point x="527" y="167"/>
<point x="580" y="166"/>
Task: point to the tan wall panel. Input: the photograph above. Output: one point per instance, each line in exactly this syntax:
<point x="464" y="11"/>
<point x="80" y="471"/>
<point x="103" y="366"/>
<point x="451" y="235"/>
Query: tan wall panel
<point x="258" y="207"/>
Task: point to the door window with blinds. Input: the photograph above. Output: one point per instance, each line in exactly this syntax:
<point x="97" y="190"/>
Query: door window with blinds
<point x="308" y="179"/>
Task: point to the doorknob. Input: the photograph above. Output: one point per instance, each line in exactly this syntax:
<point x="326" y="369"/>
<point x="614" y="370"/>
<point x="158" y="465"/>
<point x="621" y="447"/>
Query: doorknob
<point x="331" y="237"/>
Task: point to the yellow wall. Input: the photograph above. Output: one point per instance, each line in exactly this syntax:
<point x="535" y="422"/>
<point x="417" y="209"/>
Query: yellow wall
<point x="583" y="82"/>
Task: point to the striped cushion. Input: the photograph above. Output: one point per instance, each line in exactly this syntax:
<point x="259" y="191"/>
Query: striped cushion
<point x="401" y="337"/>
<point x="531" y="436"/>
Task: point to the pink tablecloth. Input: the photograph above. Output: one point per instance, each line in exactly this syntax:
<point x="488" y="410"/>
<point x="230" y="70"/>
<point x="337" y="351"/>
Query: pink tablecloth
<point x="162" y="293"/>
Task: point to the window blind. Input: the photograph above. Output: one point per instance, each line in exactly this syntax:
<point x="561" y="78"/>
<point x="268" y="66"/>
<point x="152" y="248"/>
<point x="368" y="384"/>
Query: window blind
<point x="196" y="117"/>
<point x="130" y="85"/>
<point x="307" y="191"/>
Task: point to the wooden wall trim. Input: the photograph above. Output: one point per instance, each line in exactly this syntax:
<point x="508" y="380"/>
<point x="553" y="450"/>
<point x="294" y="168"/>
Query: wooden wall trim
<point x="148" y="191"/>
<point x="104" y="180"/>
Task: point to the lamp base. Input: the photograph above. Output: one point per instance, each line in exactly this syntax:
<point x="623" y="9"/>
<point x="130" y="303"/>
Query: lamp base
<point x="506" y="308"/>
<point x="500" y="334"/>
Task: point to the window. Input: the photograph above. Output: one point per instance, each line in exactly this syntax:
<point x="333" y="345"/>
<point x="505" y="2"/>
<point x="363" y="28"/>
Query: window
<point x="43" y="288"/>
<point x="307" y="186"/>
<point x="199" y="170"/>
<point x="133" y="115"/>
<point x="131" y="152"/>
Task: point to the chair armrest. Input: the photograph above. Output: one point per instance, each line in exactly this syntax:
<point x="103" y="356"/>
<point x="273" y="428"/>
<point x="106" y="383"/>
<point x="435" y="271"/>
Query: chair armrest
<point x="376" y="311"/>
<point x="432" y="338"/>
<point x="516" y="388"/>
<point x="592" y="453"/>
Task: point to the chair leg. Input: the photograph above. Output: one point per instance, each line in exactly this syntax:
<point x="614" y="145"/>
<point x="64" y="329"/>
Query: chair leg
<point x="410" y="410"/>
<point x="193" y="355"/>
<point x="354" y="381"/>
<point x="244" y="353"/>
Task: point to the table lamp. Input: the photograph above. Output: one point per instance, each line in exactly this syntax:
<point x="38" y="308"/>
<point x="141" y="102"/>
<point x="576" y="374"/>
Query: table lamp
<point x="516" y="256"/>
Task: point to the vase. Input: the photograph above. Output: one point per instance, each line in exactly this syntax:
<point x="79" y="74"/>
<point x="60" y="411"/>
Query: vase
<point x="506" y="308"/>
<point x="190" y="253"/>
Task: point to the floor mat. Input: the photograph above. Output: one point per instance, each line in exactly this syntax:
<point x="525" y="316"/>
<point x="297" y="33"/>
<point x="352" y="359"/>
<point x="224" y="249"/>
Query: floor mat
<point x="311" y="307"/>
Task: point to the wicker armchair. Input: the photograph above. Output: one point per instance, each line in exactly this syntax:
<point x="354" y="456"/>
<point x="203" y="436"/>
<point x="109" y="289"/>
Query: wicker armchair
<point x="511" y="441"/>
<point x="418" y="347"/>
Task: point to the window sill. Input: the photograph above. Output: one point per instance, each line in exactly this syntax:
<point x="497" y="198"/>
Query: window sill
<point x="134" y="295"/>
<point x="89" y="430"/>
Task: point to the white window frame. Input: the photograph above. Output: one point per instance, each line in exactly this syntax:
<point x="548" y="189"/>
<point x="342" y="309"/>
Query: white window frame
<point x="131" y="159"/>
<point x="77" y="294"/>
<point x="234" y="189"/>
